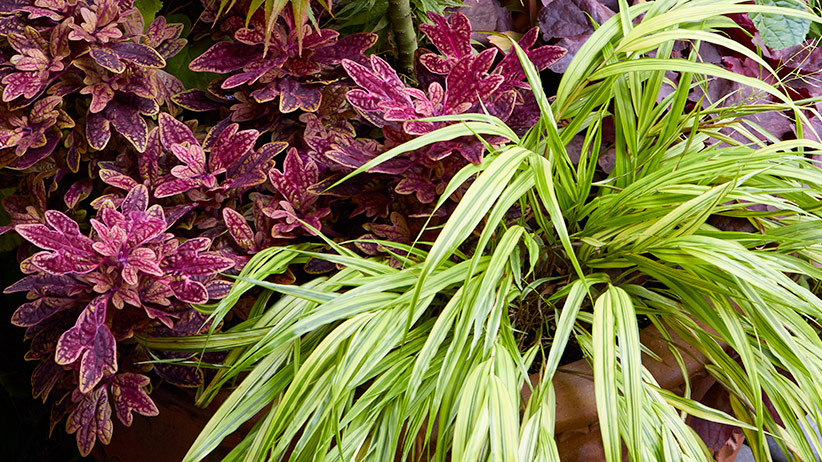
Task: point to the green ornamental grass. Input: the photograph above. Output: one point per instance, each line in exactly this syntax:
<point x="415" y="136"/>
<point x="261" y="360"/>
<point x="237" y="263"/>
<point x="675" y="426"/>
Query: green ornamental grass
<point x="425" y="359"/>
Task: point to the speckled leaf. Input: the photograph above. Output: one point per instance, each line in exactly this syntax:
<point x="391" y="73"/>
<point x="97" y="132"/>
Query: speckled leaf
<point x="73" y="252"/>
<point x="34" y="312"/>
<point x="138" y="54"/>
<point x="351" y="47"/>
<point x="230" y="146"/>
<point x="126" y="119"/>
<point x="24" y="84"/>
<point x="128" y="393"/>
<point x="468" y="79"/>
<point x="117" y="179"/>
<point x="98" y="131"/>
<point x="91" y="419"/>
<point x="175" y="186"/>
<point x="91" y="342"/>
<point x="224" y="57"/>
<point x="294" y="95"/>
<point x="238" y="228"/>
<point x="136" y="200"/>
<point x="189" y="291"/>
<point x="294" y="180"/>
<point x="172" y="131"/>
<point x="218" y="289"/>
<point x="108" y="59"/>
<point x="77" y="192"/>
<point x="452" y="37"/>
<point x="34" y="155"/>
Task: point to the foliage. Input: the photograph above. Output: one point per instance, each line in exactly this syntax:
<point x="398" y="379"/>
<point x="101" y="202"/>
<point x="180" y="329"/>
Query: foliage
<point x="710" y="239"/>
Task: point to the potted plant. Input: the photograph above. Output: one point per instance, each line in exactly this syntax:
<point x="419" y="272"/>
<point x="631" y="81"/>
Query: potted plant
<point x="662" y="218"/>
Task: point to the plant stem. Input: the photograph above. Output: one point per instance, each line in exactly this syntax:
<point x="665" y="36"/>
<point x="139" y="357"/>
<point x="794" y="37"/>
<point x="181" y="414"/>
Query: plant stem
<point x="399" y="13"/>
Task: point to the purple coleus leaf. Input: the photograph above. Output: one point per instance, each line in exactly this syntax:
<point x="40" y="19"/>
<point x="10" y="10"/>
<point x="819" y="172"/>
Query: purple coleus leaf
<point x="125" y="113"/>
<point x="231" y="145"/>
<point x="224" y="57"/>
<point x="295" y="179"/>
<point x="90" y="341"/>
<point x="172" y="131"/>
<point x="381" y="91"/>
<point x="72" y="252"/>
<point x="541" y="57"/>
<point x="45" y="377"/>
<point x="190" y="263"/>
<point x="128" y="393"/>
<point x="452" y="38"/>
<point x="239" y="229"/>
<point x="91" y="419"/>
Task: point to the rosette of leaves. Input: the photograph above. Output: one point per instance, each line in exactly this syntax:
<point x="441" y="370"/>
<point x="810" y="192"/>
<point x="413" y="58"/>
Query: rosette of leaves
<point x="288" y="72"/>
<point x="202" y="183"/>
<point x="88" y="293"/>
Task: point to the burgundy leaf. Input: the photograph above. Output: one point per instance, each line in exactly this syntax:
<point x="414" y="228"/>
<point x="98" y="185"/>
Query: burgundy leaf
<point x="294" y="95"/>
<point x="294" y="180"/>
<point x="230" y="146"/>
<point x="91" y="342"/>
<point x="452" y="37"/>
<point x="128" y="393"/>
<point x="218" y="289"/>
<point x="26" y="84"/>
<point x="351" y="47"/>
<point x="34" y="312"/>
<point x="172" y="131"/>
<point x="91" y="419"/>
<point x="189" y="291"/>
<point x="224" y="57"/>
<point x="239" y="229"/>
<point x="138" y="54"/>
<point x="77" y="192"/>
<point x="175" y="186"/>
<point x="44" y="377"/>
<point x="195" y="100"/>
<point x="73" y="252"/>
<point x="98" y="131"/>
<point x="136" y="200"/>
<point x="107" y="58"/>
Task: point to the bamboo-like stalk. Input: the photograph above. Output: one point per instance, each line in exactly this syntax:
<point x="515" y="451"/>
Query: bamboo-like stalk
<point x="399" y="13"/>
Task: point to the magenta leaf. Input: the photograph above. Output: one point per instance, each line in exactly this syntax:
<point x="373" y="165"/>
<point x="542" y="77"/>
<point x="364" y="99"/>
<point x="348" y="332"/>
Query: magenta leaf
<point x="452" y="38"/>
<point x="77" y="192"/>
<point x="230" y="146"/>
<point x="72" y="251"/>
<point x="128" y="393"/>
<point x="91" y="419"/>
<point x="91" y="342"/>
<point x="172" y="131"/>
<point x="224" y="57"/>
<point x="239" y="229"/>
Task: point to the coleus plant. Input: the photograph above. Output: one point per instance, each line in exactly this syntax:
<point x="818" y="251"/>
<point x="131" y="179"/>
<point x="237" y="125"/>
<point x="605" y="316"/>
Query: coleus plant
<point x="87" y="290"/>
